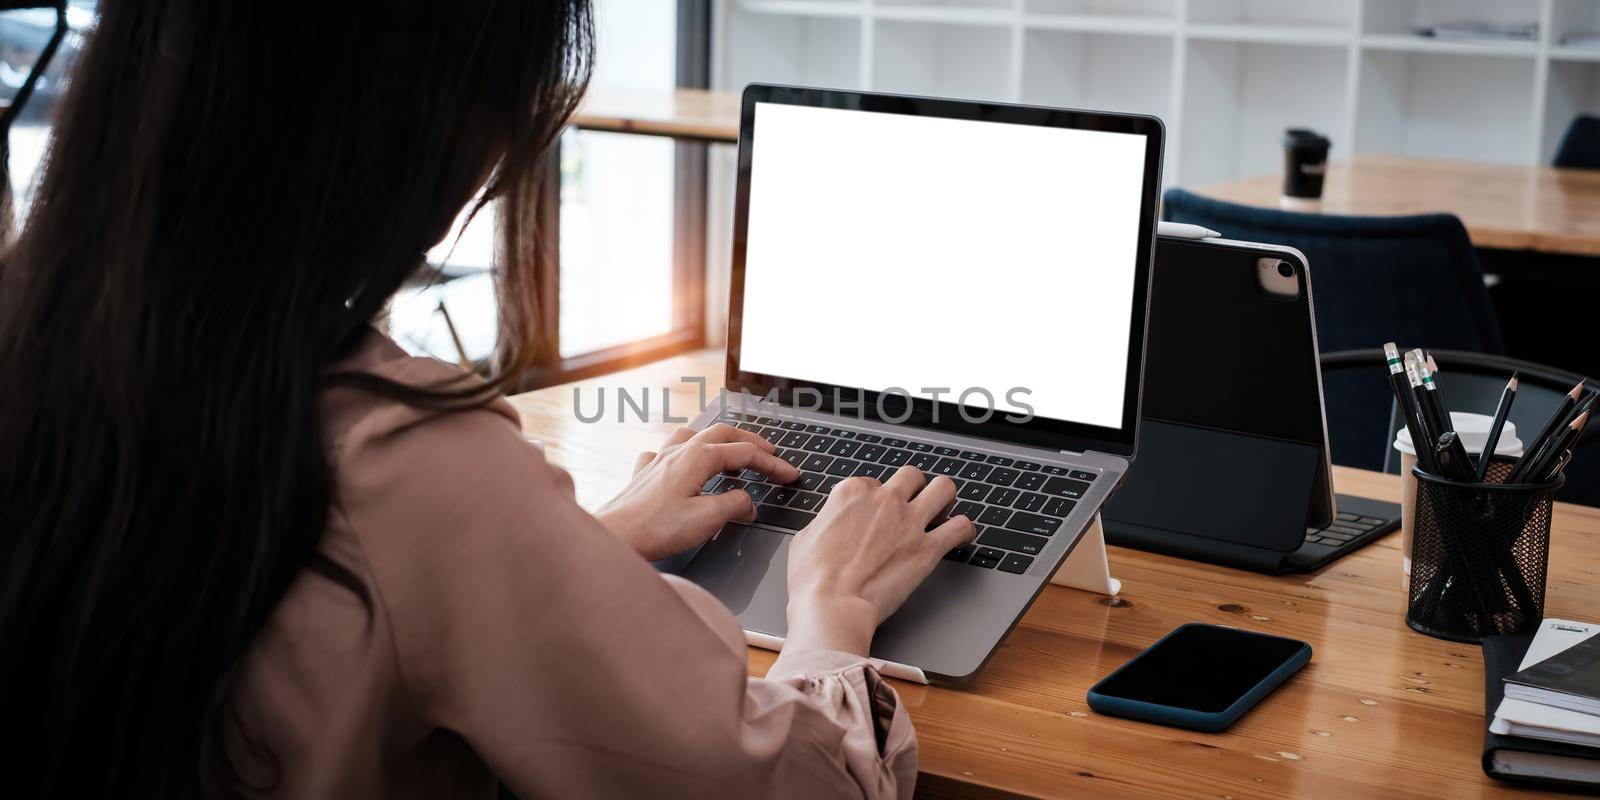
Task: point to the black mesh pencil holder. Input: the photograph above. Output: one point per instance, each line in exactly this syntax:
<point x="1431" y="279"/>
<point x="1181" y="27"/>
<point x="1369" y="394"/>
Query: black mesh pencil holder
<point x="1479" y="553"/>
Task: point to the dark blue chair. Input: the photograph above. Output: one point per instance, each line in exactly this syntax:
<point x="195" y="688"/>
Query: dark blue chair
<point x="1414" y="280"/>
<point x="1580" y="147"/>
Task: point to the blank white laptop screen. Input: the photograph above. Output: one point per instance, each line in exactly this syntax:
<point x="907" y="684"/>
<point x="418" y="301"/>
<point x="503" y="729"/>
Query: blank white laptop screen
<point x="917" y="253"/>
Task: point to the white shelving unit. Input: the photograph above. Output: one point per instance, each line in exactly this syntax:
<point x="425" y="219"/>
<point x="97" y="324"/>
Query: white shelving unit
<point x="1227" y="76"/>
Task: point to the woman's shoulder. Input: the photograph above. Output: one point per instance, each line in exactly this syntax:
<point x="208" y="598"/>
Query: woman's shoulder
<point x="348" y="410"/>
<point x="405" y="472"/>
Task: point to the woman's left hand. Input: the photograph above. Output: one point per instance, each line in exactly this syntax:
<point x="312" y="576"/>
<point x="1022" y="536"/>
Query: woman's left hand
<point x="661" y="512"/>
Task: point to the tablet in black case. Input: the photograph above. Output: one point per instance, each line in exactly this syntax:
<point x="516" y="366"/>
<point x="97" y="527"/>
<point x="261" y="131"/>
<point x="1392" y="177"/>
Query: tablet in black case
<point x="1233" y="463"/>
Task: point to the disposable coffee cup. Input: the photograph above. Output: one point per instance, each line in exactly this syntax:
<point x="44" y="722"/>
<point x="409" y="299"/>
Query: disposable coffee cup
<point x="1305" y="162"/>
<point x="1473" y="430"/>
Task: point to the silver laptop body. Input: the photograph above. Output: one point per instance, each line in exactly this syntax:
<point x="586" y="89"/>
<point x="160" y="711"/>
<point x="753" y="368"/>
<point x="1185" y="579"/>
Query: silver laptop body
<point x="1032" y="484"/>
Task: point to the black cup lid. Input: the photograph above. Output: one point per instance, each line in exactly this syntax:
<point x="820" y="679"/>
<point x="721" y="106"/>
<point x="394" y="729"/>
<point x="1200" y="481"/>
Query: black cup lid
<point x="1305" y="138"/>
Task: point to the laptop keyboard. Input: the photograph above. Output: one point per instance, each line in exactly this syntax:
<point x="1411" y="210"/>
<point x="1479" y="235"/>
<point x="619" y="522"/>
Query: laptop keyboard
<point x="1346" y="528"/>
<point x="1016" y="505"/>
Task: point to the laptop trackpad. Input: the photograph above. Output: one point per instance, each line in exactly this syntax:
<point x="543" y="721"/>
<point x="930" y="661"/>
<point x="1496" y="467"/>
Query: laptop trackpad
<point x="738" y="563"/>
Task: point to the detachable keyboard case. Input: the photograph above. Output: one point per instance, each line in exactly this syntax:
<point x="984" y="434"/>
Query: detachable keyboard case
<point x="1232" y="461"/>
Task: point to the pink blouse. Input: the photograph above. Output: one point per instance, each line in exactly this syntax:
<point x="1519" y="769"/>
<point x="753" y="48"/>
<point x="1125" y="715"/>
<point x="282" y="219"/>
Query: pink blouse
<point x="512" y="637"/>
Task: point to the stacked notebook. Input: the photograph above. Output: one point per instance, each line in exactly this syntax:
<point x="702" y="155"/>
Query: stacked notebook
<point x="1544" y="691"/>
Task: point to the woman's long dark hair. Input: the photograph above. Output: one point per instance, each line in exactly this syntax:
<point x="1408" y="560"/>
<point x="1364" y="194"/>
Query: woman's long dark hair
<point x="233" y="191"/>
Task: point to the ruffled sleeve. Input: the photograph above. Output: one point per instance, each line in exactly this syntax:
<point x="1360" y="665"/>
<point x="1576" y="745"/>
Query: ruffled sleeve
<point x="876" y="743"/>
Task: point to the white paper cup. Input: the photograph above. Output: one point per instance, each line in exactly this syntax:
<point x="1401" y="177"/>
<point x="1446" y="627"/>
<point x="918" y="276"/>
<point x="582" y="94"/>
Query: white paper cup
<point x="1310" y="205"/>
<point x="1474" y="432"/>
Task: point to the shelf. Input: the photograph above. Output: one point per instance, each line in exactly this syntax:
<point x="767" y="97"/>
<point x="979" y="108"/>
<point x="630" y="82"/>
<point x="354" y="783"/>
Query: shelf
<point x="1147" y="9"/>
<point x="1354" y="69"/>
<point x="1433" y="105"/>
<point x="1335" y="17"/>
<point x="1100" y="23"/>
<point x="1574" y="89"/>
<point x="1409" y="43"/>
<point x="1271" y="34"/>
<point x="947" y="15"/>
<point x="966" y="61"/>
<point x="1131" y="73"/>
<point x="1404" y="17"/>
<point x="940" y="5"/>
<point x="1239" y="97"/>
<point x="804" y="8"/>
<point x="1574" y="18"/>
<point x="1575" y="53"/>
<point x="807" y="50"/>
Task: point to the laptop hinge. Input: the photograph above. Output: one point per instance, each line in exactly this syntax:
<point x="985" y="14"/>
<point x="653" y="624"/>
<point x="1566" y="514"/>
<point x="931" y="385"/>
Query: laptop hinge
<point x="1128" y="458"/>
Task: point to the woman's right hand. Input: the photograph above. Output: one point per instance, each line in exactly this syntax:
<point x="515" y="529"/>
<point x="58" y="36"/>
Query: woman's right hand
<point x="864" y="554"/>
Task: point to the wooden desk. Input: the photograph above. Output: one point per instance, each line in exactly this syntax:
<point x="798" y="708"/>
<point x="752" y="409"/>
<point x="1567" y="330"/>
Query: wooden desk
<point x="680" y="114"/>
<point x="1504" y="207"/>
<point x="1380" y="711"/>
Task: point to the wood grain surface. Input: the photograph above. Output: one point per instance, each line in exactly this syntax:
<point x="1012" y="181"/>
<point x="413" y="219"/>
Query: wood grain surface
<point x="1381" y="711"/>
<point x="680" y="113"/>
<point x="1504" y="206"/>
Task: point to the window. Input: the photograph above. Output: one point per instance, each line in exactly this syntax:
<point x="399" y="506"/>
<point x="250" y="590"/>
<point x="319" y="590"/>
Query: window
<point x="454" y="317"/>
<point x="617" y="194"/>
<point x="629" y="224"/>
<point x="616" y="240"/>
<point x="24" y="36"/>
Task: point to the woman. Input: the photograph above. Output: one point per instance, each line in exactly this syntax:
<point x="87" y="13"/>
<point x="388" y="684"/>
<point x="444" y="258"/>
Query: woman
<point x="247" y="546"/>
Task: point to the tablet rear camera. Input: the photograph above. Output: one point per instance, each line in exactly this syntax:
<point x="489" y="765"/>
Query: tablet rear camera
<point x="1278" y="277"/>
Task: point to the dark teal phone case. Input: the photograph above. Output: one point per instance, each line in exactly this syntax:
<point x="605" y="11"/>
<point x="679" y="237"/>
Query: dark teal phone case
<point x="1187" y="717"/>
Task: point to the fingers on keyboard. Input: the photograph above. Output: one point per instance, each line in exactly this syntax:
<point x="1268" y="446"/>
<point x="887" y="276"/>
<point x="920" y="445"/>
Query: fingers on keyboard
<point x="1015" y="505"/>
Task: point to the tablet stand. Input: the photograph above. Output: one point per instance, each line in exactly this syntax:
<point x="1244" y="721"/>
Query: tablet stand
<point x="1087" y="568"/>
<point x="1252" y="520"/>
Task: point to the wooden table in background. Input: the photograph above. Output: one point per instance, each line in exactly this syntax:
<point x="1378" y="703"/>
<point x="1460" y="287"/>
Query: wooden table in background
<point x="1505" y="207"/>
<point x="681" y="113"/>
<point x="1381" y="711"/>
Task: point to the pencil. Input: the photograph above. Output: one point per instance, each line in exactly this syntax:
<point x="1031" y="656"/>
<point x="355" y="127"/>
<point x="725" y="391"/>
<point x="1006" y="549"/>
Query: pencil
<point x="1559" y="450"/>
<point x="1427" y="427"/>
<point x="1532" y="451"/>
<point x="1406" y="404"/>
<point x="1425" y="393"/>
<point x="1583" y="405"/>
<point x="1430" y="380"/>
<point x="1492" y="443"/>
<point x="1419" y="388"/>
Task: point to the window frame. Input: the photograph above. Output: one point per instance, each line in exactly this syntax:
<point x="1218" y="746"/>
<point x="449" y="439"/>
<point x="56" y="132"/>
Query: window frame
<point x="689" y="239"/>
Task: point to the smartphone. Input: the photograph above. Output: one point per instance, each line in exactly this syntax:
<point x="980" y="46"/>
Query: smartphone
<point x="1200" y="677"/>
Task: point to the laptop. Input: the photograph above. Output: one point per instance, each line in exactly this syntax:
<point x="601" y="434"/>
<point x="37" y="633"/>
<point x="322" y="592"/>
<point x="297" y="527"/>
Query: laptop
<point x="960" y="286"/>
